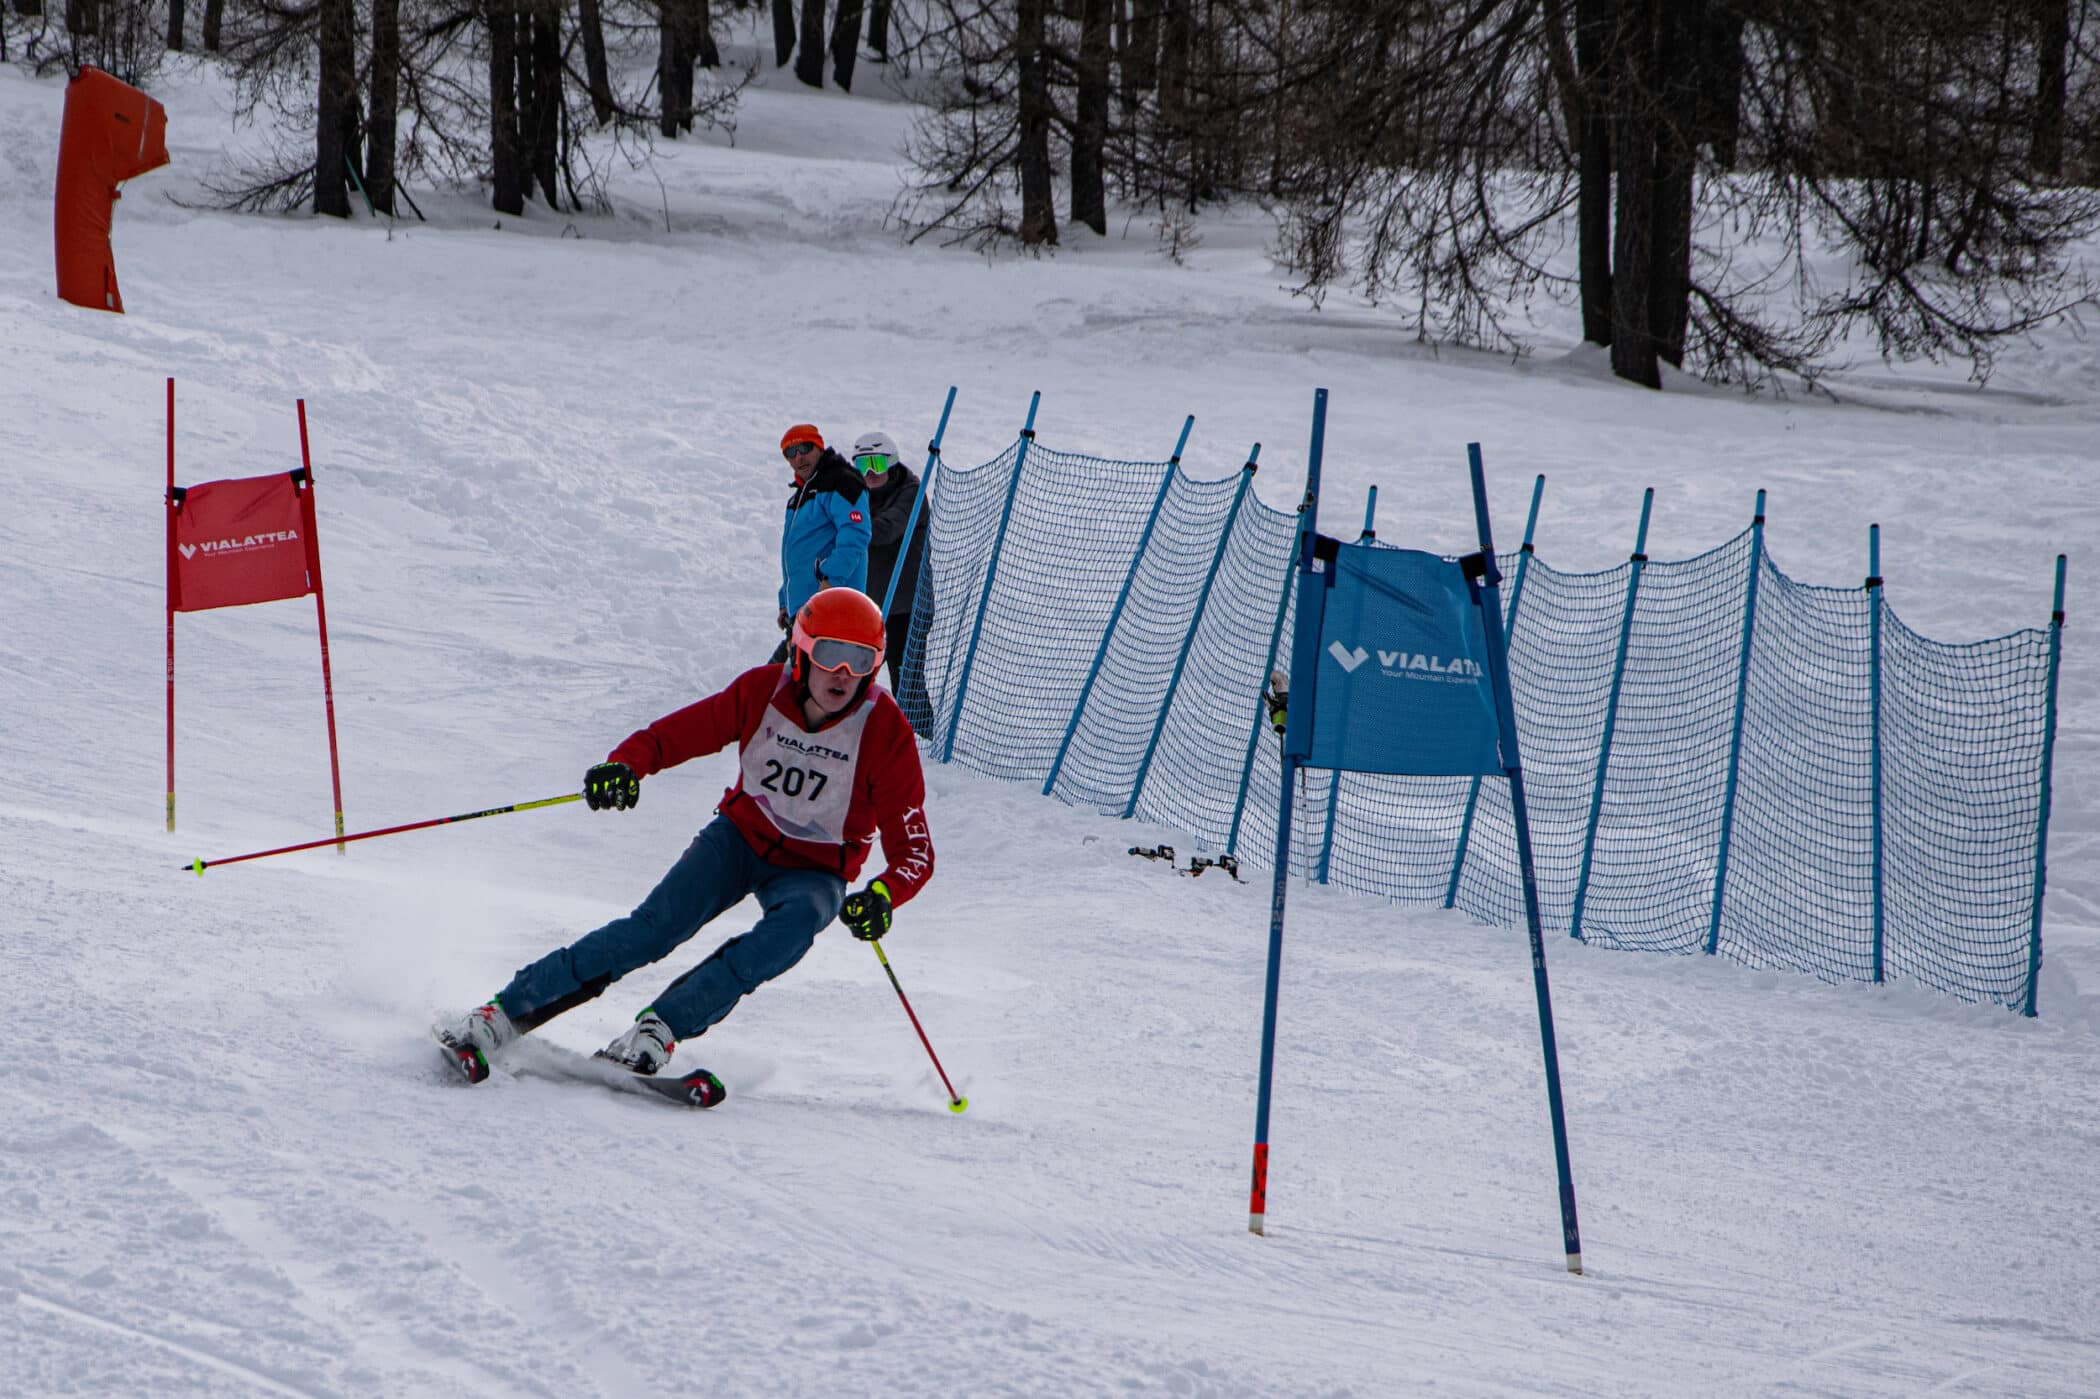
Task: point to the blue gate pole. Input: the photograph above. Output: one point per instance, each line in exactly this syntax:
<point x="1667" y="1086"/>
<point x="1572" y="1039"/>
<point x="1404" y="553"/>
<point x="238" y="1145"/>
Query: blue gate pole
<point x="1108" y="632"/>
<point x="991" y="577"/>
<point x="1258" y="1199"/>
<point x="1334" y="787"/>
<point x="1261" y="715"/>
<point x="2041" y="830"/>
<point x="933" y="460"/>
<point x="1735" y="732"/>
<point x="1516" y="598"/>
<point x="1874" y="605"/>
<point x="1611" y="711"/>
<point x="1239" y="498"/>
<point x="1513" y="764"/>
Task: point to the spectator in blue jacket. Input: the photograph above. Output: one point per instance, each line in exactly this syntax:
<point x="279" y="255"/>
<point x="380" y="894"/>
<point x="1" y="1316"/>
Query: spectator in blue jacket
<point x="824" y="540"/>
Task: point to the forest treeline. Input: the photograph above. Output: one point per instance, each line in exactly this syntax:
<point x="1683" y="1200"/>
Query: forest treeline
<point x="1731" y="187"/>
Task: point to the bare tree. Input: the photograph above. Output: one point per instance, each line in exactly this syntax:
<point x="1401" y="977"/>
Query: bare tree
<point x="1090" y="117"/>
<point x="1038" y="214"/>
<point x="809" y="61"/>
<point x="590" y="23"/>
<point x="506" y="149"/>
<point x="335" y="124"/>
<point x="845" y="43"/>
<point x="383" y="104"/>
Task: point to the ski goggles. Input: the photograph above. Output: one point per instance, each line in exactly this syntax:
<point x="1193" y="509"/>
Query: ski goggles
<point x="874" y="463"/>
<point x="850" y="656"/>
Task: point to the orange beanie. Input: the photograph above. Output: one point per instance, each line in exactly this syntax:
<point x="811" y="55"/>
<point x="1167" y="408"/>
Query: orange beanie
<point x="801" y="432"/>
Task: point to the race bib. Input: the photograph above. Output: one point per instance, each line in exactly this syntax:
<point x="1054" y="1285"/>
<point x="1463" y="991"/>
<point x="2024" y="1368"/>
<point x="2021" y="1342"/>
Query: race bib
<point x="804" y="781"/>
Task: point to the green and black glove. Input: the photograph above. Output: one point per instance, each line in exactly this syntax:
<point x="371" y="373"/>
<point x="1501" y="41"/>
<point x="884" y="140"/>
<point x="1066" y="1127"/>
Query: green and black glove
<point x="867" y="913"/>
<point x="611" y="785"/>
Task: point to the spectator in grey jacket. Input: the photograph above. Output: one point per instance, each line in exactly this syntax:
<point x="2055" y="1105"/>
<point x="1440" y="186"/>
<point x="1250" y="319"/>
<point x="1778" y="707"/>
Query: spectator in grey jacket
<point x="893" y="489"/>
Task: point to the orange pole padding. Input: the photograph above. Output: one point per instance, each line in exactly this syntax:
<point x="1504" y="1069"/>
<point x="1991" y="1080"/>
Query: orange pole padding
<point x="111" y="132"/>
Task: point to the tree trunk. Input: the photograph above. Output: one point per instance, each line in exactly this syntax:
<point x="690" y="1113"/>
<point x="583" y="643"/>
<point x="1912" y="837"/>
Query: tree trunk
<point x="544" y="136"/>
<point x="1090" y="127"/>
<point x="674" y="67"/>
<point x="1141" y="56"/>
<point x="809" y="61"/>
<point x="591" y="20"/>
<point x="1594" y="51"/>
<point x="335" y="116"/>
<point x="845" y="43"/>
<point x="1682" y="91"/>
<point x="703" y="41"/>
<point x="506" y="163"/>
<point x="2052" y="50"/>
<point x="29" y="9"/>
<point x="879" y="30"/>
<point x="1633" y="353"/>
<point x="1038" y="213"/>
<point x="84" y="17"/>
<point x="214" y="12"/>
<point x="1172" y="73"/>
<point x="783" y="31"/>
<point x="382" y="103"/>
<point x="175" y="8"/>
<point x="1718" y="57"/>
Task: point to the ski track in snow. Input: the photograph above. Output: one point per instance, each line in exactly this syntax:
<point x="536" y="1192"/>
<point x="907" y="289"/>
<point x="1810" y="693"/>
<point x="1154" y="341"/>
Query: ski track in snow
<point x="232" y="1164"/>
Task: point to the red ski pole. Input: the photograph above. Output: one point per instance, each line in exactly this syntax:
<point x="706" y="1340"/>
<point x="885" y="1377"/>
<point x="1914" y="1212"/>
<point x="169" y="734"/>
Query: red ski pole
<point x="200" y="866"/>
<point x="956" y="1102"/>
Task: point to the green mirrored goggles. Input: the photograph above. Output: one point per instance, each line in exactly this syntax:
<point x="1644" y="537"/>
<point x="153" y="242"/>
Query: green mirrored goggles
<point x="874" y="463"/>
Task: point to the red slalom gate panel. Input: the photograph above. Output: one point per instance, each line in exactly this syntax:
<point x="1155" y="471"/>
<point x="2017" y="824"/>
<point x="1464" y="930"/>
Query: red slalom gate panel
<point x="241" y="542"/>
<point x="110" y="133"/>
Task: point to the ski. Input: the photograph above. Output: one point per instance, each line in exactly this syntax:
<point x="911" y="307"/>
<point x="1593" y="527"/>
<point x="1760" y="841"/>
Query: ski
<point x="698" y="1088"/>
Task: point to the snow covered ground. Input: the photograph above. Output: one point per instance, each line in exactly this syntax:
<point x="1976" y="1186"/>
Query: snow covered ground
<point x="230" y="1163"/>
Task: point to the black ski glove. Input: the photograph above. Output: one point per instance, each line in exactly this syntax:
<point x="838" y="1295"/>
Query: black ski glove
<point x="611" y="785"/>
<point x="867" y="913"/>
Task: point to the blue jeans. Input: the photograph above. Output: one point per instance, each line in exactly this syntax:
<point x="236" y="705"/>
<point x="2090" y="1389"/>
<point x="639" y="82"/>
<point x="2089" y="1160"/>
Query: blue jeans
<point x="717" y="870"/>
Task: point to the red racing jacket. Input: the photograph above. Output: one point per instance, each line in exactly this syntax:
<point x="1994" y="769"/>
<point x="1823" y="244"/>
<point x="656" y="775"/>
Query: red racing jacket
<point x="805" y="798"/>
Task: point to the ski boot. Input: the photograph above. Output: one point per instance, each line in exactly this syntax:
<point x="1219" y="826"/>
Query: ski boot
<point x="470" y="1040"/>
<point x="646" y="1046"/>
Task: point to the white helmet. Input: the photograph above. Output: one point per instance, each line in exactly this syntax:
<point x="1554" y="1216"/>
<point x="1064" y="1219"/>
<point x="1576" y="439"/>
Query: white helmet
<point x="874" y="453"/>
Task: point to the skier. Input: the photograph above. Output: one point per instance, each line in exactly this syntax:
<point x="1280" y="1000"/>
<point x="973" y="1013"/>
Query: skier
<point x="892" y="492"/>
<point x="828" y="761"/>
<point x="824" y="540"/>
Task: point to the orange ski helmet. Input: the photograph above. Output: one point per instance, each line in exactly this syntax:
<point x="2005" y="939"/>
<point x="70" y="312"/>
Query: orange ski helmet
<point x="839" y="629"/>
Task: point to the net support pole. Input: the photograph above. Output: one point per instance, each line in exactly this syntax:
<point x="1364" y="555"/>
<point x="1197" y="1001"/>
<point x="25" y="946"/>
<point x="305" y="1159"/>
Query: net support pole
<point x="1261" y="713"/>
<point x="1611" y="712"/>
<point x="991" y="578"/>
<point x="1513" y="765"/>
<point x="1334" y="787"/>
<point x="1874" y="606"/>
<point x="1258" y="1198"/>
<point x="1516" y="598"/>
<point x="171" y="603"/>
<point x="2041" y="829"/>
<point x="1188" y="641"/>
<point x="313" y="562"/>
<point x="1735" y="730"/>
<point x="1108" y="632"/>
<point x="911" y="523"/>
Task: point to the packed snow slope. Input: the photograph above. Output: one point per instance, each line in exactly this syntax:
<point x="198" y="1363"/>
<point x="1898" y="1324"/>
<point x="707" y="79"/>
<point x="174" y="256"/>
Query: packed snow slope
<point x="231" y="1164"/>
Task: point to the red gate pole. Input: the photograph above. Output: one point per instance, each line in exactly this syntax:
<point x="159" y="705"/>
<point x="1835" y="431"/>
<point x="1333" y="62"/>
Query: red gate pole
<point x="171" y="602"/>
<point x="313" y="563"/>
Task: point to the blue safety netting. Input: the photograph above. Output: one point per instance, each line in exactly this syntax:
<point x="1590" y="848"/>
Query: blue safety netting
<point x="1717" y="758"/>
